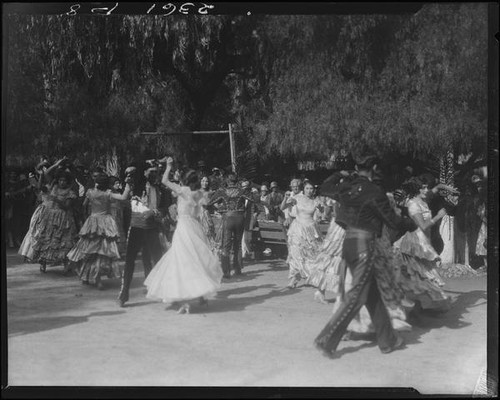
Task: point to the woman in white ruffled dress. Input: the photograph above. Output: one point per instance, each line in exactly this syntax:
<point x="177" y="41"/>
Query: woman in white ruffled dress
<point x="304" y="238"/>
<point x="327" y="267"/>
<point x="206" y="218"/>
<point x="189" y="269"/>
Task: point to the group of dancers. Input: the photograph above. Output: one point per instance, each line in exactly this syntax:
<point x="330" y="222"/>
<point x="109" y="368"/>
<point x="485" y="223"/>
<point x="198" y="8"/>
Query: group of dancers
<point x="376" y="258"/>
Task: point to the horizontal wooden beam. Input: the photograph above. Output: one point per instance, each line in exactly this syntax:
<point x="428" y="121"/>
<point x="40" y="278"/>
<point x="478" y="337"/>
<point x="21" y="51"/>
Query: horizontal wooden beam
<point x="186" y="133"/>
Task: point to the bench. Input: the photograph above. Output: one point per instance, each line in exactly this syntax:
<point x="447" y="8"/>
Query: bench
<point x="273" y="235"/>
<point x="269" y="234"/>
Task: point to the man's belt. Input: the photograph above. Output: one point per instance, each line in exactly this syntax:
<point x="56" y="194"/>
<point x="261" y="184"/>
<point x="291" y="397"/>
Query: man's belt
<point x="356" y="233"/>
<point x="235" y="213"/>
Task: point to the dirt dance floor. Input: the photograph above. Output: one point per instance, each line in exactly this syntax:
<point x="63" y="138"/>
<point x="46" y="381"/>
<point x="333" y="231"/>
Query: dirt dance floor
<point x="254" y="333"/>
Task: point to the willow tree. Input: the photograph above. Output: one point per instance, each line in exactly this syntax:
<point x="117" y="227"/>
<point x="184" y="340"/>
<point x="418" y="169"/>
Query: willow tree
<point x="391" y="83"/>
<point x="105" y="78"/>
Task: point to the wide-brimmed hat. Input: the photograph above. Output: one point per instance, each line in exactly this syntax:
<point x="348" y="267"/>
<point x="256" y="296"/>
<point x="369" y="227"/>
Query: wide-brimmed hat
<point x="274" y="184"/>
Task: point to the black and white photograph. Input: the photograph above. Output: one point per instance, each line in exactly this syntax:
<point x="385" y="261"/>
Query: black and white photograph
<point x="283" y="198"/>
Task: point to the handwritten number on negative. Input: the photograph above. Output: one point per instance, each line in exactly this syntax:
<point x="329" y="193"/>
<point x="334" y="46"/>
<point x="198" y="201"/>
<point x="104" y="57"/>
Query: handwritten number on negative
<point x="99" y="9"/>
<point x="73" y="9"/>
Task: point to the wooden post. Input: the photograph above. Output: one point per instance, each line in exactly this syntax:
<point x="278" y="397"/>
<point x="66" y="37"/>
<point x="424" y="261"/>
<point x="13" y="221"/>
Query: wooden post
<point x="233" y="150"/>
<point x="231" y="140"/>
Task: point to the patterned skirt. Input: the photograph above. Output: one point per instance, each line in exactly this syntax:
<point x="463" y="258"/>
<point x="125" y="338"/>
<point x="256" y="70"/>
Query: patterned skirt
<point x="54" y="236"/>
<point x="421" y="282"/>
<point x="208" y="227"/>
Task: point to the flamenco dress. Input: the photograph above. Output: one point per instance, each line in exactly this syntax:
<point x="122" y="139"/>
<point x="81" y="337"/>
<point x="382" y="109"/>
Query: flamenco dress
<point x="26" y="248"/>
<point x="304" y="238"/>
<point x="96" y="251"/>
<point x="56" y="232"/>
<point x="418" y="261"/>
<point x="327" y="266"/>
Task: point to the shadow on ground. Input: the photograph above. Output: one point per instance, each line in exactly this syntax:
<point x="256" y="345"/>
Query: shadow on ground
<point x="41" y="324"/>
<point x="222" y="304"/>
<point x="424" y="321"/>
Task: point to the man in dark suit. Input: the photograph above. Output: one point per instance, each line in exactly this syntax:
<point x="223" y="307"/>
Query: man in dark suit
<point x="364" y="208"/>
<point x="144" y="231"/>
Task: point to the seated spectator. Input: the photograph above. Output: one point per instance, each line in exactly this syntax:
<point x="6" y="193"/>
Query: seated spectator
<point x="264" y="207"/>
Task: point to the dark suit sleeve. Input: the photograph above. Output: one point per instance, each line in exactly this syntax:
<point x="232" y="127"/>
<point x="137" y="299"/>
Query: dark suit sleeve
<point x="380" y="204"/>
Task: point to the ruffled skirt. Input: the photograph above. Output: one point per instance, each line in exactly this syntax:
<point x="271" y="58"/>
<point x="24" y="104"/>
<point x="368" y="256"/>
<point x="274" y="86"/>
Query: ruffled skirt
<point x="416" y="244"/>
<point x="421" y="282"/>
<point x="189" y="269"/>
<point x="304" y="243"/>
<point x="97" y="249"/>
<point x="327" y="267"/>
<point x="26" y="248"/>
<point x="55" y="236"/>
<point x="420" y="279"/>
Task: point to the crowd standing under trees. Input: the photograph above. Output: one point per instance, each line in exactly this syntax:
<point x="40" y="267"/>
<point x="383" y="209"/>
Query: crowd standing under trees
<point x="66" y="188"/>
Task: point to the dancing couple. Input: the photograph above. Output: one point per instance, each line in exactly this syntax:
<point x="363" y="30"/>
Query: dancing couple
<point x="364" y="209"/>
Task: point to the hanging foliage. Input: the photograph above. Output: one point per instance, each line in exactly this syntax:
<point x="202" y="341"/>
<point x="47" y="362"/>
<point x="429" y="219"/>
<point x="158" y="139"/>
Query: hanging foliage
<point x="299" y="85"/>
